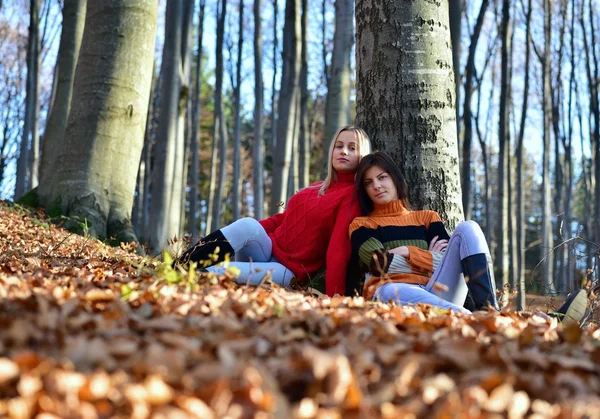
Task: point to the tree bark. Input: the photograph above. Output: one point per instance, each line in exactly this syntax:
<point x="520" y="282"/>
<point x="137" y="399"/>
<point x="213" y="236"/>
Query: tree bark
<point x="405" y="97"/>
<point x="27" y="163"/>
<point x="104" y="137"/>
<point x="193" y="227"/>
<point x="237" y="133"/>
<point x="467" y="111"/>
<point x="258" y="148"/>
<point x="547" y="231"/>
<point x="287" y="108"/>
<point x="337" y="107"/>
<point x="304" y="138"/>
<point x="520" y="186"/>
<point x="215" y="191"/>
<point x="70" y="41"/>
<point x="168" y="171"/>
<point x="501" y="260"/>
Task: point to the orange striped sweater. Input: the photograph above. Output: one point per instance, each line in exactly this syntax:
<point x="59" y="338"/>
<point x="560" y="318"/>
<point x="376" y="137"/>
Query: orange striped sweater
<point x="390" y="226"/>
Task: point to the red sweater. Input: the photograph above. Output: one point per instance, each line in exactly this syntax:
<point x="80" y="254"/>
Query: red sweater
<point x="313" y="230"/>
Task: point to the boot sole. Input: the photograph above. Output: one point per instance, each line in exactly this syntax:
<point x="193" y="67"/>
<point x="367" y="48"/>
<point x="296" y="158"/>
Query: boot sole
<point x="578" y="307"/>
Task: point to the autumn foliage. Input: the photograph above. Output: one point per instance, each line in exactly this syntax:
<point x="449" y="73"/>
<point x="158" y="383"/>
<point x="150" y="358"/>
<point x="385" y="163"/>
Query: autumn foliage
<point x="92" y="331"/>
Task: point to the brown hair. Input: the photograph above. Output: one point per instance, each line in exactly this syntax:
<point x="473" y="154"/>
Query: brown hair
<point x="383" y="160"/>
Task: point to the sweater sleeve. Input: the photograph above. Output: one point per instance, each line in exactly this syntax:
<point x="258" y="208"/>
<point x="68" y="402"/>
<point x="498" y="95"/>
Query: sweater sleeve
<point x="423" y="260"/>
<point x="364" y="243"/>
<point x="271" y="223"/>
<point x="338" y="252"/>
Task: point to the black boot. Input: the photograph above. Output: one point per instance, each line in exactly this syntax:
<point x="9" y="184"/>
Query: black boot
<point x="480" y="281"/>
<point x="204" y="252"/>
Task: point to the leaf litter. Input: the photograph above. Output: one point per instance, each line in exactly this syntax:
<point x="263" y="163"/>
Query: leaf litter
<point x="89" y="331"/>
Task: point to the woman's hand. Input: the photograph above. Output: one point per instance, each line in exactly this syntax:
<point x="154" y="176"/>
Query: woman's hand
<point x="438" y="245"/>
<point x="401" y="251"/>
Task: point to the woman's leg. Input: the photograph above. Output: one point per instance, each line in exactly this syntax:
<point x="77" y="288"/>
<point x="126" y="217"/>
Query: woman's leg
<point x="467" y="244"/>
<point x="252" y="273"/>
<point x="245" y="239"/>
<point x="249" y="240"/>
<point x="412" y="294"/>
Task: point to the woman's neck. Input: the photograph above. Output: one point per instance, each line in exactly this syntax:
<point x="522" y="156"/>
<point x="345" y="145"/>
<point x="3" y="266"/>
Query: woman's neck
<point x="391" y="208"/>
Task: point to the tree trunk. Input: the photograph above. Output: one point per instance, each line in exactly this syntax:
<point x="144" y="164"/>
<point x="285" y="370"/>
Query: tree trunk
<point x="467" y="112"/>
<point x="273" y="83"/>
<point x="237" y="133"/>
<point x="520" y="154"/>
<point x="168" y="170"/>
<point x="547" y="231"/>
<point x="456" y="7"/>
<point x="337" y="107"/>
<point x="258" y="148"/>
<point x="95" y="182"/>
<point x="287" y="109"/>
<point x="501" y="259"/>
<point x="70" y="41"/>
<point x="304" y="134"/>
<point x="28" y="152"/>
<point x="193" y="227"/>
<point x="405" y="97"/>
<point x="215" y="191"/>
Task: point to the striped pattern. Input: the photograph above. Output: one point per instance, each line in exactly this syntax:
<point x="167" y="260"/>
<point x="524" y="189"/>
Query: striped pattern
<point x="390" y="226"/>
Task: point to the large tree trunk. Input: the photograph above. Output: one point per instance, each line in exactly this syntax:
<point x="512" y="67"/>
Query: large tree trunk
<point x="520" y="276"/>
<point x="547" y="231"/>
<point x="287" y="109"/>
<point x="193" y="227"/>
<point x="501" y="259"/>
<point x="237" y="130"/>
<point x="28" y="152"/>
<point x="467" y="111"/>
<point x="337" y="107"/>
<point x="168" y="169"/>
<point x="258" y="148"/>
<point x="405" y="97"/>
<point x="105" y="131"/>
<point x="72" y="31"/>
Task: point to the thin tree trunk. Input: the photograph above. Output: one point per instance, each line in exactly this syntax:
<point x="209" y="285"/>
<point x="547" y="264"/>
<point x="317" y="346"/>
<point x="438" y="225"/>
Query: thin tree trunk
<point x="218" y="147"/>
<point x="520" y="186"/>
<point x="337" y="107"/>
<point x="273" y="83"/>
<point x="94" y="185"/>
<point x="467" y="111"/>
<point x="193" y="227"/>
<point x="70" y="41"/>
<point x="501" y="260"/>
<point x="168" y="171"/>
<point x="258" y="149"/>
<point x="456" y="7"/>
<point x="237" y="181"/>
<point x="27" y="153"/>
<point x="547" y="231"/>
<point x="405" y="97"/>
<point x="304" y="134"/>
<point x="287" y="109"/>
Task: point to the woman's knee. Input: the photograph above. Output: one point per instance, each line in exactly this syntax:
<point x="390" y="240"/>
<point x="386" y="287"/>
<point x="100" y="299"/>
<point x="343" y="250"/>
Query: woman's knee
<point x="470" y="229"/>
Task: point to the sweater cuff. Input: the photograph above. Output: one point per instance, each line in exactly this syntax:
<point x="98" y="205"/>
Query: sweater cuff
<point x="399" y="265"/>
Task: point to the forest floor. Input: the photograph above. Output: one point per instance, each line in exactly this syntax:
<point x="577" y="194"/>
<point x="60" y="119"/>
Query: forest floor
<point x="92" y="331"/>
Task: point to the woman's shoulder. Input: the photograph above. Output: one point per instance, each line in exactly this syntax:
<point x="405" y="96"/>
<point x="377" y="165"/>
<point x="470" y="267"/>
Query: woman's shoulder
<point x="362" y="221"/>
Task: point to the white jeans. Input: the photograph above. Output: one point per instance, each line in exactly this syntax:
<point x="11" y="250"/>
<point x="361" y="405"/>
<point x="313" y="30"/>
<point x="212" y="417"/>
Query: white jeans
<point x="467" y="240"/>
<point x="253" y="257"/>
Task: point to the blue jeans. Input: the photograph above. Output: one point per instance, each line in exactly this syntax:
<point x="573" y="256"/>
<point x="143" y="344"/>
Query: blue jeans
<point x="467" y="240"/>
<point x="253" y="254"/>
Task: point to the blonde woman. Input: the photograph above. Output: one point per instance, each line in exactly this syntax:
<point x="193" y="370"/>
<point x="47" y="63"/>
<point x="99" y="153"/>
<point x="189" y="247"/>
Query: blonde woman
<point x="312" y="231"/>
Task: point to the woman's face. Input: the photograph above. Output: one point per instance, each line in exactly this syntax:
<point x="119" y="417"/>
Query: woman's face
<point x="379" y="185"/>
<point x="345" y="156"/>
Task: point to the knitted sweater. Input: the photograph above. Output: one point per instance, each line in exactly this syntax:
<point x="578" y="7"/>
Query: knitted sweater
<point x="313" y="230"/>
<point x="390" y="226"/>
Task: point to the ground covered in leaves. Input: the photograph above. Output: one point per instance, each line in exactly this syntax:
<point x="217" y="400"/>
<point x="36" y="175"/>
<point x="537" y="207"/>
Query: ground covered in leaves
<point x="91" y="331"/>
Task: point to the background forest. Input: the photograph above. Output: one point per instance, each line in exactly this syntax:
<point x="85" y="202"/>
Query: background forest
<point x="237" y="101"/>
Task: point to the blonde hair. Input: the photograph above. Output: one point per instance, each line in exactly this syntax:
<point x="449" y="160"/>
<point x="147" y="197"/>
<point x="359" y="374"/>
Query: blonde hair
<point x="364" y="148"/>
